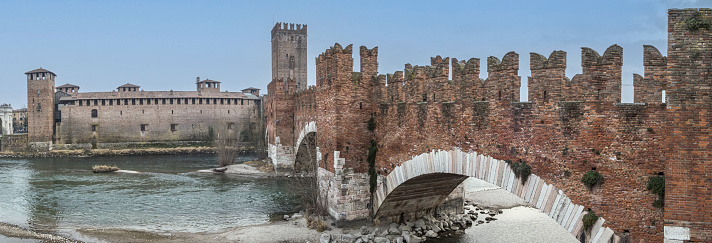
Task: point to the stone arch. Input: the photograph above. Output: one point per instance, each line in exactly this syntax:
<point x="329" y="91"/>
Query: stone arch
<point x="437" y="173"/>
<point x="306" y="150"/>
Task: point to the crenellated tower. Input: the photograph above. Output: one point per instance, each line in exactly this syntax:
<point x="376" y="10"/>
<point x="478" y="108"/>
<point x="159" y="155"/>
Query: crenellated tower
<point x="40" y="105"/>
<point x="289" y="53"/>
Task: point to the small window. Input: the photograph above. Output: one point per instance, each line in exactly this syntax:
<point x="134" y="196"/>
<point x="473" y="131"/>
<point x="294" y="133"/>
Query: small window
<point x="148" y="101"/>
<point x="80" y="103"/>
<point x="94" y="128"/>
<point x="94" y="113"/>
<point x="222" y="101"/>
<point x="144" y="127"/>
<point x="103" y="102"/>
<point x="96" y="103"/>
<point x="174" y="127"/>
<point x="178" y="101"/>
<point x="111" y="102"/>
<point x="163" y="101"/>
<point x="171" y="101"/>
<point x="140" y="101"/>
<point x="230" y="126"/>
<point x="200" y="101"/>
<point x="133" y="101"/>
<point x="194" y="101"/>
<point x="207" y="101"/>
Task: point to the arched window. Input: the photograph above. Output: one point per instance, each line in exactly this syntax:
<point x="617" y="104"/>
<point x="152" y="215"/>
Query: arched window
<point x="94" y="113"/>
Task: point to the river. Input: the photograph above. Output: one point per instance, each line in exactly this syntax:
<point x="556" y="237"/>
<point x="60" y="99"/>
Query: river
<point x="62" y="194"/>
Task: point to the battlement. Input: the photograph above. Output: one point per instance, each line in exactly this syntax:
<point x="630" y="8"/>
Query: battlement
<point x="289" y="28"/>
<point x="464" y="68"/>
<point x="557" y="59"/>
<point x="612" y="56"/>
<point x="510" y="61"/>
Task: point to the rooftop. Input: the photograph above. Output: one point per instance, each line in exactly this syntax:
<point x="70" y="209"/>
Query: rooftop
<point x="128" y="85"/>
<point x="41" y="70"/>
<point x="67" y="86"/>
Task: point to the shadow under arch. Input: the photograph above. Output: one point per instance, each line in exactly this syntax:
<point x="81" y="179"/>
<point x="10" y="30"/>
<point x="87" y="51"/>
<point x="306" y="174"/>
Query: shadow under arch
<point x="423" y="183"/>
<point x="305" y="159"/>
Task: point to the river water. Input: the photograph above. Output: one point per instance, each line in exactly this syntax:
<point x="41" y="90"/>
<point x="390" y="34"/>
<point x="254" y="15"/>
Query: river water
<point x="57" y="194"/>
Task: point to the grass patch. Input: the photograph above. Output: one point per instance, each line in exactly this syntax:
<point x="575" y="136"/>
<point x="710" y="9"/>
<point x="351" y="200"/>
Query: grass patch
<point x="104" y="168"/>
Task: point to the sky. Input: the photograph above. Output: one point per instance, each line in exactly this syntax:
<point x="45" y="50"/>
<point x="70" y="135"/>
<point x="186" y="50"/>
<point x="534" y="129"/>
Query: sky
<point x="165" y="45"/>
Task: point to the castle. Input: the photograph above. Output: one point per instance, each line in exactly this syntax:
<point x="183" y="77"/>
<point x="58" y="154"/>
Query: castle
<point x="63" y="117"/>
<point x="395" y="146"/>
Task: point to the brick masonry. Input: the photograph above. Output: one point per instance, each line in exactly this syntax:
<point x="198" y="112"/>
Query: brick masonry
<point x="568" y="127"/>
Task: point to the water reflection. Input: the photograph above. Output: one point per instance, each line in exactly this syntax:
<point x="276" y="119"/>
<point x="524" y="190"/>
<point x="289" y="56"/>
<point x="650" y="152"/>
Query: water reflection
<point x="50" y="193"/>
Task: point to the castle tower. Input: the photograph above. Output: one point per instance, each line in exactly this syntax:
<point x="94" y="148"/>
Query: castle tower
<point x="289" y="53"/>
<point x="40" y="104"/>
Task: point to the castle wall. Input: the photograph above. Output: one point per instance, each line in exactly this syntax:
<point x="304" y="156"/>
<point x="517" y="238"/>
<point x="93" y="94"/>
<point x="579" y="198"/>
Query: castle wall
<point x="122" y="122"/>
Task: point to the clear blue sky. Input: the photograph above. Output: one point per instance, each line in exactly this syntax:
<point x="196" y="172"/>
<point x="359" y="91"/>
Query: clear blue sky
<point x="163" y="45"/>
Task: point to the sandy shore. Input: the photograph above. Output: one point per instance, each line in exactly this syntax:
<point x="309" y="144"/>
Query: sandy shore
<point x="16" y="232"/>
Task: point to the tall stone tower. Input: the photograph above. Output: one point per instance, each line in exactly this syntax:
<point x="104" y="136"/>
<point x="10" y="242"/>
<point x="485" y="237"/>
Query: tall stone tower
<point x="40" y="105"/>
<point x="289" y="53"/>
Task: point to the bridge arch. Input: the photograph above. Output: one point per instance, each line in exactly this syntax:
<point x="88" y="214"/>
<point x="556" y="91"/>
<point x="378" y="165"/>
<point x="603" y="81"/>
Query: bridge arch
<point x="424" y="181"/>
<point x="306" y="159"/>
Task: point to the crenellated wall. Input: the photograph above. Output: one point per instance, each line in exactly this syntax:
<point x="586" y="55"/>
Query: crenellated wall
<point x="568" y="128"/>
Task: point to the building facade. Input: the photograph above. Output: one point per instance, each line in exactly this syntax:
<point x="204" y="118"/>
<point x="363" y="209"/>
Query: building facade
<point x="5" y="119"/>
<point x="129" y="114"/>
<point x="19" y="120"/>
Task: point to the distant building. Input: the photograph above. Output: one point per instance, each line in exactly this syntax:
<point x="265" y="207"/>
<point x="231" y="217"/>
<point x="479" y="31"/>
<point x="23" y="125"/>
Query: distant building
<point x="63" y="115"/>
<point x="19" y="120"/>
<point x="6" y="119"/>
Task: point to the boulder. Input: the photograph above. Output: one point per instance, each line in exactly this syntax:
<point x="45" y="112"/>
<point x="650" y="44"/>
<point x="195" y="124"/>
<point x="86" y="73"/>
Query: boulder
<point x="399" y="239"/>
<point x="404" y="227"/>
<point x="429" y="234"/>
<point x="413" y="239"/>
<point x="420" y="223"/>
<point x="325" y="238"/>
<point x="285" y="217"/>
<point x="394" y="231"/>
<point x="436" y="229"/>
<point x="365" y="230"/>
<point x="381" y="240"/>
<point x="348" y="238"/>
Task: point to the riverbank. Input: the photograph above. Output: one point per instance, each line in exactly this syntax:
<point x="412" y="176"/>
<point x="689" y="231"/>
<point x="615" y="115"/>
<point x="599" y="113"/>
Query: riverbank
<point x="16" y="232"/>
<point x="109" y="152"/>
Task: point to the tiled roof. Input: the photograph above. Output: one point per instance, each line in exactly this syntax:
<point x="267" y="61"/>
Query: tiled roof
<point x="251" y="88"/>
<point x="67" y="86"/>
<point x="128" y="85"/>
<point x="41" y="70"/>
<point x="208" y="80"/>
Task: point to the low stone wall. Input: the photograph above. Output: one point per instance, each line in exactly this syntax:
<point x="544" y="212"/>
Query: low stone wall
<point x="14" y="143"/>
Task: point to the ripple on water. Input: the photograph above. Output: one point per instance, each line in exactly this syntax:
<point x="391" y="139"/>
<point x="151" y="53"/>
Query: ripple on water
<point x="62" y="192"/>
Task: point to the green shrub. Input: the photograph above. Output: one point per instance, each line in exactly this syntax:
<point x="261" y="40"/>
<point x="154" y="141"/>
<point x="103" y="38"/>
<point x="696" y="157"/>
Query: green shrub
<point x="696" y="22"/>
<point x="656" y="184"/>
<point x="522" y="170"/>
<point x="589" y="220"/>
<point x="591" y="178"/>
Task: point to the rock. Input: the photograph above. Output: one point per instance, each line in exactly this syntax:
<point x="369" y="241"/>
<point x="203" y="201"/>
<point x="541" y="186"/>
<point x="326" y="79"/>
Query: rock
<point x="410" y="224"/>
<point x="381" y="240"/>
<point x="436" y="229"/>
<point x="384" y="233"/>
<point x="413" y="239"/>
<point x="420" y="223"/>
<point x="325" y="238"/>
<point x="404" y="227"/>
<point x="394" y="231"/>
<point x="359" y="240"/>
<point x="431" y="234"/>
<point x="285" y="217"/>
<point x="364" y="230"/>
<point x="399" y="239"/>
<point x="297" y="216"/>
<point x="455" y="228"/>
<point x="348" y="238"/>
<point x="480" y="222"/>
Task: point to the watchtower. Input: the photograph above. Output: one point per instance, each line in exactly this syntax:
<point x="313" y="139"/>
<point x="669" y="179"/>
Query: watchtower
<point x="40" y="104"/>
<point x="289" y="53"/>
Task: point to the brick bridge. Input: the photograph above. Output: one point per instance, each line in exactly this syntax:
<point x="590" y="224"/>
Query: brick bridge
<point x="430" y="131"/>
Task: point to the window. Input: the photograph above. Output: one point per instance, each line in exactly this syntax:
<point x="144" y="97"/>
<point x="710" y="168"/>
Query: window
<point x="103" y="102"/>
<point x="148" y="101"/>
<point x="140" y="101"/>
<point x="94" y="113"/>
<point x="171" y="100"/>
<point x="111" y="102"/>
<point x="194" y="101"/>
<point x="178" y="101"/>
<point x="163" y="101"/>
<point x="94" y="128"/>
<point x="96" y="103"/>
<point x="144" y="127"/>
<point x="174" y="127"/>
<point x="80" y="102"/>
<point x="222" y="101"/>
<point x="133" y="101"/>
<point x="200" y="101"/>
<point x="230" y="126"/>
